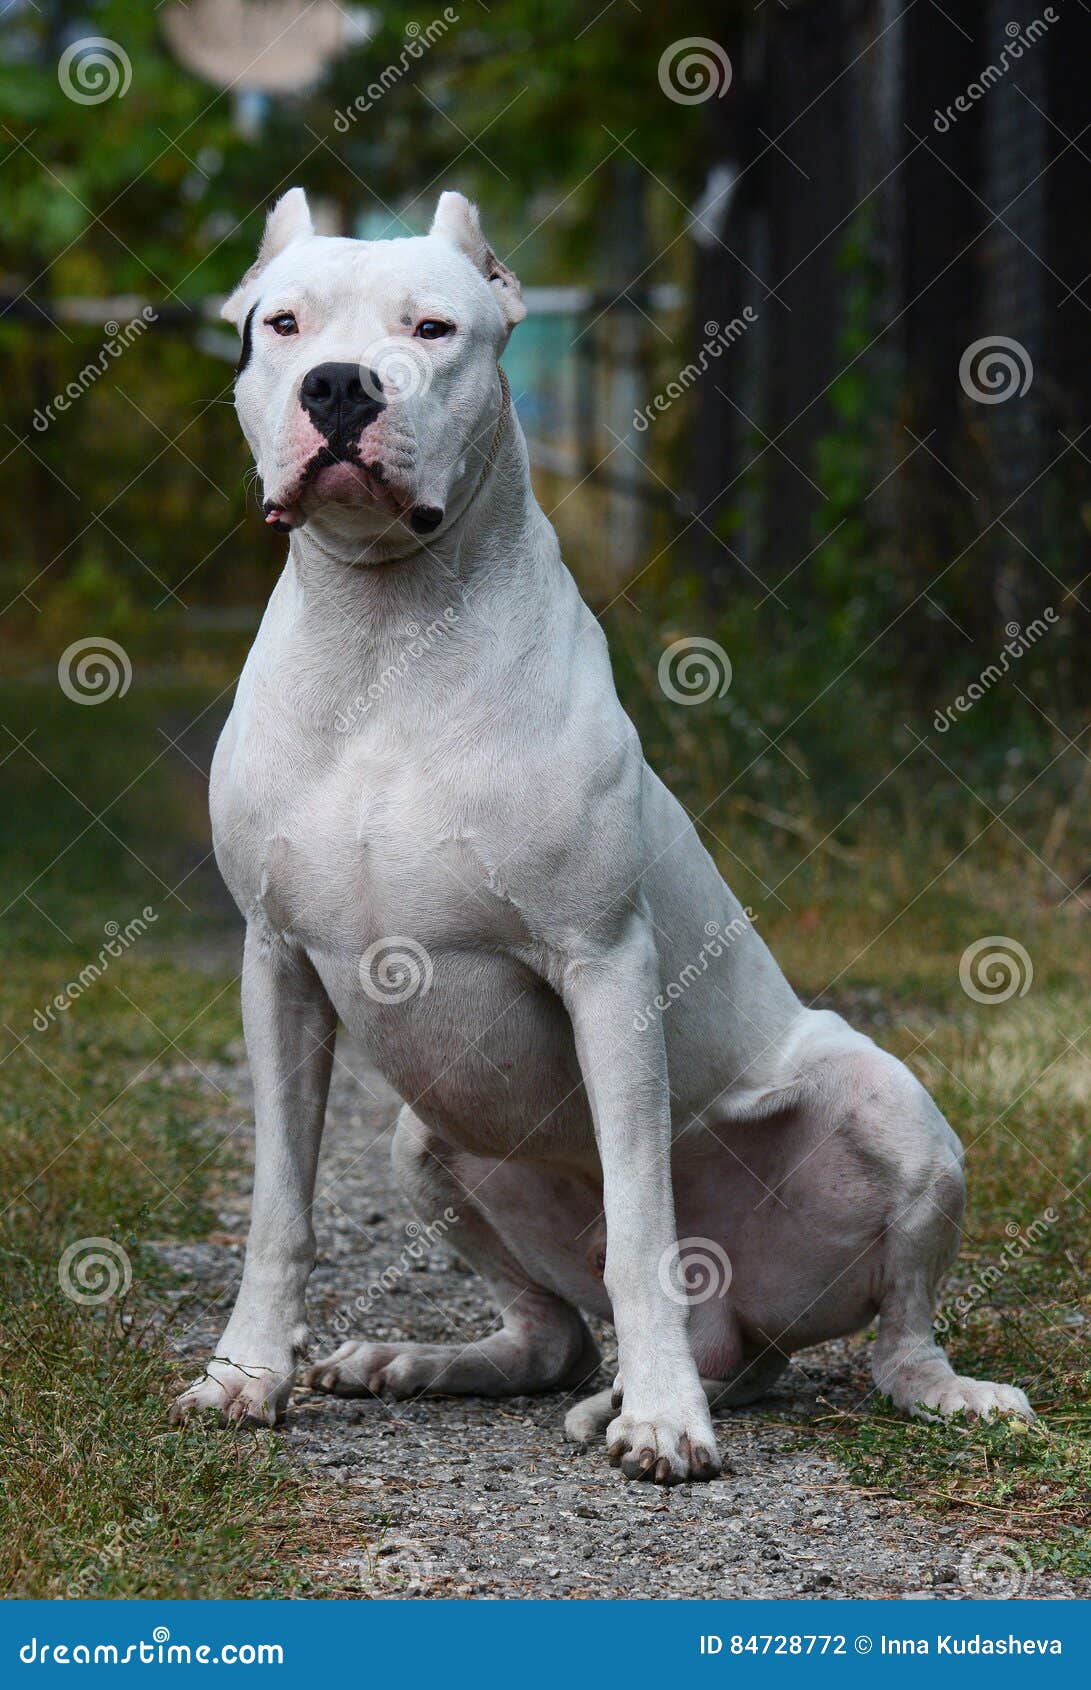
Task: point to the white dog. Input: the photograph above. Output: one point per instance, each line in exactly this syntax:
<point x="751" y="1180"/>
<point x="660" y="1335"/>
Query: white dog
<point x="438" y="823"/>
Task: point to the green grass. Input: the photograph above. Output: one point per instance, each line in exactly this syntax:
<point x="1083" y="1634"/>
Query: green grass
<point x="105" y="1127"/>
<point x="1014" y="1079"/>
<point x="105" y="1134"/>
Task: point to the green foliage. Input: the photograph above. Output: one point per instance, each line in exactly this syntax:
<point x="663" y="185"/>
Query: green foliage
<point x="854" y="573"/>
<point x="157" y="193"/>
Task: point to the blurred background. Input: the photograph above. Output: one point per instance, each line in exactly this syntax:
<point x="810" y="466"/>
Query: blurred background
<point x="787" y="237"/>
<point x="807" y="386"/>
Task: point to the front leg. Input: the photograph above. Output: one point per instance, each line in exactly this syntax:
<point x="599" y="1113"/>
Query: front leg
<point x="664" y="1431"/>
<point x="290" y="1026"/>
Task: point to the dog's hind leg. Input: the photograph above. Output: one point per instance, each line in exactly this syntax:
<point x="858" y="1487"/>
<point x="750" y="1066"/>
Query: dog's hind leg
<point x="907" y="1364"/>
<point x="747" y="1383"/>
<point x="542" y="1343"/>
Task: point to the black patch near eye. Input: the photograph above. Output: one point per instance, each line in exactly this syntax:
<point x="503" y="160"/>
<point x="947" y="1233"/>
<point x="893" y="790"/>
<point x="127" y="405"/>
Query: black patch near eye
<point x="247" y="342"/>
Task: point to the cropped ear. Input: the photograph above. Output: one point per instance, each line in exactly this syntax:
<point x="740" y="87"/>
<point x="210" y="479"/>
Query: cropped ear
<point x="456" y="221"/>
<point x="289" y="220"/>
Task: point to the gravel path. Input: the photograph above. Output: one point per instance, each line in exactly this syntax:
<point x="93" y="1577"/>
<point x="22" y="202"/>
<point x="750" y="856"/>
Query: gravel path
<point x="466" y="1497"/>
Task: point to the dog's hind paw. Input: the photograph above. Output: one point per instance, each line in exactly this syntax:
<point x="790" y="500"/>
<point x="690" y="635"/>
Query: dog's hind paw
<point x="587" y="1421"/>
<point x="979" y="1398"/>
<point x="360" y="1369"/>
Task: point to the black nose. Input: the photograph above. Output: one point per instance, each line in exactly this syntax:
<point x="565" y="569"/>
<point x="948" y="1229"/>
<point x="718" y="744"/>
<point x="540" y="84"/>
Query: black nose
<point x="338" y="402"/>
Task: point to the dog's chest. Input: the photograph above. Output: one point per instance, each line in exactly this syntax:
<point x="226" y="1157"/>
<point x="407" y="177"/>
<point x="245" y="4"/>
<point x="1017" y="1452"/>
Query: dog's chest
<point x="338" y="852"/>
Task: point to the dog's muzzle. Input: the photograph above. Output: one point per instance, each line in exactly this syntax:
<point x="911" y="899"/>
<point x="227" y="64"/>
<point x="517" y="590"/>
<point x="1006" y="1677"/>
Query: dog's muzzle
<point x="339" y="403"/>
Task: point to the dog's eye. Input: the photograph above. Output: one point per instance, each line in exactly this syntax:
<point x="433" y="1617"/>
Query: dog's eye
<point x="283" y="323"/>
<point x="433" y="329"/>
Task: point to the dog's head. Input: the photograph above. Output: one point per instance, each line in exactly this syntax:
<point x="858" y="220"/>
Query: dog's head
<point x="367" y="382"/>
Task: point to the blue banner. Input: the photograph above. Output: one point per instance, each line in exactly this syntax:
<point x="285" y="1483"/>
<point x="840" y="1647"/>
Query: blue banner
<point x="630" y="1644"/>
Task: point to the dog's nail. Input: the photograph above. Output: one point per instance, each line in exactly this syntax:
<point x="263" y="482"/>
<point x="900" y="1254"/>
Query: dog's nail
<point x="662" y="1471"/>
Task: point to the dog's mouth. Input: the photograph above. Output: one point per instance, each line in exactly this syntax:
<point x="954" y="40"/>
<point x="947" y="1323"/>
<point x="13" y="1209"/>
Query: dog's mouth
<point x="336" y="475"/>
<point x="341" y="474"/>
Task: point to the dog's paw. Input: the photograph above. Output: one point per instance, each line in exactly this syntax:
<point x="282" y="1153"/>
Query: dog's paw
<point x="666" y="1449"/>
<point x="980" y="1398"/>
<point x="360" y="1369"/>
<point x="586" y="1421"/>
<point x="241" y="1394"/>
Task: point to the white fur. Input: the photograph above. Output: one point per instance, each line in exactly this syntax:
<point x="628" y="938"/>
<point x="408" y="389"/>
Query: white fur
<point x="427" y="747"/>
